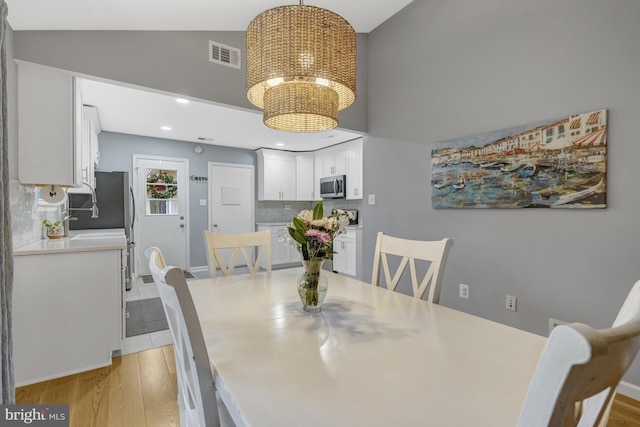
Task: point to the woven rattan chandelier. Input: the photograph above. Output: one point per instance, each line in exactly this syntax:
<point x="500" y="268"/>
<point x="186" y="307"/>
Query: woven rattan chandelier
<point x="301" y="67"/>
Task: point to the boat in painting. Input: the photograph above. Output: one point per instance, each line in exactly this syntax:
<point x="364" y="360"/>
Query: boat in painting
<point x="511" y="167"/>
<point x="564" y="195"/>
<point x="527" y="170"/>
<point x="442" y="184"/>
<point x="490" y="165"/>
<point x="460" y="183"/>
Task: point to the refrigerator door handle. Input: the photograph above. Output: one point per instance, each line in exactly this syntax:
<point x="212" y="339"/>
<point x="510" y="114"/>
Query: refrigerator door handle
<point x="133" y="211"/>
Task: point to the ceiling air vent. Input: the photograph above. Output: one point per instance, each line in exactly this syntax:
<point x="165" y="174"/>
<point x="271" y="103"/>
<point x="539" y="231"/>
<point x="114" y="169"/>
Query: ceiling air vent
<point x="223" y="54"/>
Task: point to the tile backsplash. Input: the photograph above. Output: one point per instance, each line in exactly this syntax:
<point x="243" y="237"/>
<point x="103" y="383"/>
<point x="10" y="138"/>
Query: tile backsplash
<point x="26" y="221"/>
<point x="277" y="212"/>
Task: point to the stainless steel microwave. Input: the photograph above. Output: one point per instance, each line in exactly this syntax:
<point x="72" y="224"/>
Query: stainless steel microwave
<point x="333" y="187"/>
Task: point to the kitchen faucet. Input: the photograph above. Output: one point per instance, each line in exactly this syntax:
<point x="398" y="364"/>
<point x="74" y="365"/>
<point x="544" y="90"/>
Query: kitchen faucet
<point x="94" y="203"/>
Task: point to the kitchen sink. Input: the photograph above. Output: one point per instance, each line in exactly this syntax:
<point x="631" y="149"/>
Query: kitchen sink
<point x="101" y="235"/>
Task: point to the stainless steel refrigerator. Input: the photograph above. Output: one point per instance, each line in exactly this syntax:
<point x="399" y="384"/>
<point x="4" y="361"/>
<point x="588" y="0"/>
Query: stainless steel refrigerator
<point x="116" y="209"/>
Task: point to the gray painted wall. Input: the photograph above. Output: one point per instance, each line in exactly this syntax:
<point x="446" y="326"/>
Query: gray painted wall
<point x="173" y="61"/>
<point x="116" y="151"/>
<point x="452" y="69"/>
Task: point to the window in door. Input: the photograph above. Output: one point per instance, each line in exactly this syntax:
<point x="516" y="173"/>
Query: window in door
<point x="162" y="192"/>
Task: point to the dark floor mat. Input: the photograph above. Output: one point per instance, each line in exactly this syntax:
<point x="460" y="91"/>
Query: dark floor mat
<point x="145" y="316"/>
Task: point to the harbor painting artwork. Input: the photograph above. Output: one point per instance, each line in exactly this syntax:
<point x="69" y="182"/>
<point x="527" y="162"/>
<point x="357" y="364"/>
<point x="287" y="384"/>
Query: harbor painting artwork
<point x="559" y="163"/>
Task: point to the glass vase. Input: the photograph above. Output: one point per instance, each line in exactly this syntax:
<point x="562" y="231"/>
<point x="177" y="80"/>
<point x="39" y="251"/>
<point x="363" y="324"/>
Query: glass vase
<point x="312" y="286"/>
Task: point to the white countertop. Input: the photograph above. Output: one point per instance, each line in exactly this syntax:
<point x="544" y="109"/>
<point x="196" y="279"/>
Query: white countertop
<point x="80" y="242"/>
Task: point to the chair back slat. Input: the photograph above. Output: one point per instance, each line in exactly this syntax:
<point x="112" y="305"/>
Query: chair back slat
<point x="594" y="405"/>
<point x="435" y="252"/>
<point x="579" y="362"/>
<point x="239" y="243"/>
<point x="196" y="393"/>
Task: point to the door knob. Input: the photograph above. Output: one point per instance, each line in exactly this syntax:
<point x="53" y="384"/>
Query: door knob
<point x="181" y="217"/>
<point x="181" y="225"/>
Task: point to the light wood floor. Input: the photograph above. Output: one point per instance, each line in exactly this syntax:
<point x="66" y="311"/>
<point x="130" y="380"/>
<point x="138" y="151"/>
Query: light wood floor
<point x="137" y="390"/>
<point x="140" y="390"/>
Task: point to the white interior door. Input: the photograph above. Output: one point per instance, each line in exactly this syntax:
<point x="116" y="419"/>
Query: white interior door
<point x="231" y="199"/>
<point x="162" y="200"/>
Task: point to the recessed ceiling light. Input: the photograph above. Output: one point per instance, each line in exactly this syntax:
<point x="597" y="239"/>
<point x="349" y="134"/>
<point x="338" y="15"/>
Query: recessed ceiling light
<point x="182" y="101"/>
<point x="165" y="127"/>
<point x="279" y="144"/>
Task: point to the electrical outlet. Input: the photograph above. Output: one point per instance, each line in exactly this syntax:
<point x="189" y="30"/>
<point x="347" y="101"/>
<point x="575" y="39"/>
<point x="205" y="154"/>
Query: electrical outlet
<point x="464" y="291"/>
<point x="511" y="303"/>
<point x="555" y="322"/>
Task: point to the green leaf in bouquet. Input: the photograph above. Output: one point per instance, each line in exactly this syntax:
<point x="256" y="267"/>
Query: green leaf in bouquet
<point x="318" y="211"/>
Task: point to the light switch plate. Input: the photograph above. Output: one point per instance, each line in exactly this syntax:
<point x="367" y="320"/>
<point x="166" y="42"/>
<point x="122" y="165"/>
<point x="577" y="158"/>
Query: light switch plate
<point x="203" y="202"/>
<point x="372" y="199"/>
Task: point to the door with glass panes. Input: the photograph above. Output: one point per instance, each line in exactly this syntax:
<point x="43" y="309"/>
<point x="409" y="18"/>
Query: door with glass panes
<point x="161" y="210"/>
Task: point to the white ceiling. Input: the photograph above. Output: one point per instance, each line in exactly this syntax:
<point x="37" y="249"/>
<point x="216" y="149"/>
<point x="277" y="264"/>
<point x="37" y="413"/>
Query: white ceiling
<point x="120" y="106"/>
<point x="142" y="112"/>
<point x="186" y="15"/>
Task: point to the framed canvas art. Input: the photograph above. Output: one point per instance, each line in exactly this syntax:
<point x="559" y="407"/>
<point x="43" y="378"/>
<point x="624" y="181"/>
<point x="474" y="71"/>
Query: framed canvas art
<point x="559" y="163"/>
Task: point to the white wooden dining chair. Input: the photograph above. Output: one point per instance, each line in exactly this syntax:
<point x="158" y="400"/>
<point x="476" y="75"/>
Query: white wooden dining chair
<point x="198" y="402"/>
<point x="435" y="252"/>
<point x="597" y="403"/>
<point x="238" y="243"/>
<point x="579" y="362"/>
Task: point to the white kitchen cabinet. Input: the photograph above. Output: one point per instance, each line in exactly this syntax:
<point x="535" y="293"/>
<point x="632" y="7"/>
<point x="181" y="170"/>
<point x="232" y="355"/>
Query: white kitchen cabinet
<point x="276" y="175"/>
<point x="317" y="167"/>
<point x="305" y="177"/>
<point x="353" y="155"/>
<point x="67" y="312"/>
<point x="49" y="127"/>
<point x="344" y="258"/>
<point x="90" y="153"/>
<point x="342" y="159"/>
<point x="333" y="161"/>
<point x="280" y="253"/>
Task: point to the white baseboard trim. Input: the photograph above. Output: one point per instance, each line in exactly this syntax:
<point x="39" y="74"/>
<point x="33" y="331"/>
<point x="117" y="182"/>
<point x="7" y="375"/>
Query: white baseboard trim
<point x="629" y="390"/>
<point x="199" y="269"/>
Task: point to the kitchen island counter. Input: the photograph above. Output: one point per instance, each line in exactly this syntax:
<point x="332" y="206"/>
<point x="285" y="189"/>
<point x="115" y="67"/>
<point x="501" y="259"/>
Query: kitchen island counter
<point x="68" y="305"/>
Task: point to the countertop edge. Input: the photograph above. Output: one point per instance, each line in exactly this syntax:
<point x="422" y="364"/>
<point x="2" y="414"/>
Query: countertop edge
<point x="66" y="245"/>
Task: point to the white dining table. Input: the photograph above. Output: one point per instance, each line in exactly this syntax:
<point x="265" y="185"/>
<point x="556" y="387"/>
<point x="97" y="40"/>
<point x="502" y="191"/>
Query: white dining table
<point x="371" y="357"/>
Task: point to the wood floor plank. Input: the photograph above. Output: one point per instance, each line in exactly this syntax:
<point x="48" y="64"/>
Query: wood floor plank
<point x="126" y="406"/>
<point x="30" y="394"/>
<point x="60" y="391"/>
<point x="625" y="412"/>
<point x="91" y="407"/>
<point x="170" y="359"/>
<point x="159" y="396"/>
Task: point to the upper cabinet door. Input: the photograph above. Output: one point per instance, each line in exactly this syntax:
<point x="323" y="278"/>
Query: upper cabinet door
<point x="49" y="127"/>
<point x="354" y="170"/>
<point x="333" y="162"/>
<point x="305" y="177"/>
<point x="89" y="154"/>
<point x="276" y="175"/>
